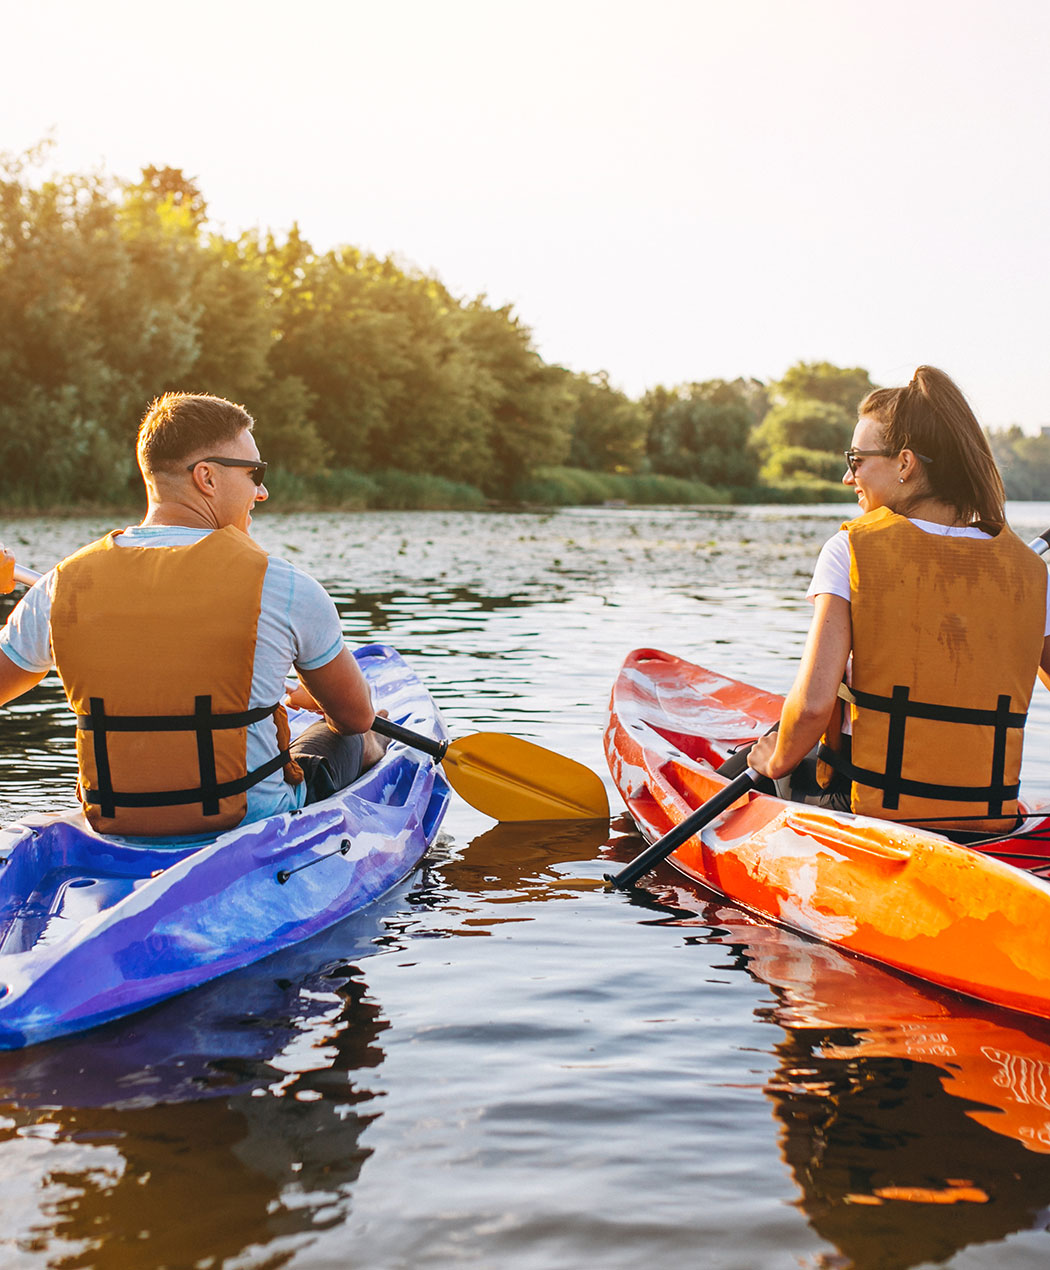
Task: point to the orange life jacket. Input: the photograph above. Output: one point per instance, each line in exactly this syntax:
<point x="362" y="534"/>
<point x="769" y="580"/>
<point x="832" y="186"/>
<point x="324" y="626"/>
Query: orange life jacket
<point x="155" y="647"/>
<point x="947" y="639"/>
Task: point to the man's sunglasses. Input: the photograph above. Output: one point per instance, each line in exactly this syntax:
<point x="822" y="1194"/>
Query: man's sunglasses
<point x="256" y="469"/>
<point x="853" y="457"/>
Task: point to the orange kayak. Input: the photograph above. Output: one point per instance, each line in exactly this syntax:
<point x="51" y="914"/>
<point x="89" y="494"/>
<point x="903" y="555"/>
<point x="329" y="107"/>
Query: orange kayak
<point x="957" y="916"/>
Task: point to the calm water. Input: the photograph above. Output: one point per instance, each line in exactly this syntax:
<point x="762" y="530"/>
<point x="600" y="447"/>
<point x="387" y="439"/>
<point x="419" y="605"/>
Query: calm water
<point x="501" y="1064"/>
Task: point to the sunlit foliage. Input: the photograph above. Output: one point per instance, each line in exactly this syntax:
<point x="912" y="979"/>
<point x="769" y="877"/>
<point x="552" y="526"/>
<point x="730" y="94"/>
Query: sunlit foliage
<point x="112" y="293"/>
<point x="371" y="383"/>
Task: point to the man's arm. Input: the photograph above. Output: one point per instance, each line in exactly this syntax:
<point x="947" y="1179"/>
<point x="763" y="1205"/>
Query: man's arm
<point x="808" y="706"/>
<point x="342" y="692"/>
<point x="14" y="681"/>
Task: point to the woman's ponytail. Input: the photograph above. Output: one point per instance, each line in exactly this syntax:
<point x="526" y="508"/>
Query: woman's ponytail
<point x="932" y="417"/>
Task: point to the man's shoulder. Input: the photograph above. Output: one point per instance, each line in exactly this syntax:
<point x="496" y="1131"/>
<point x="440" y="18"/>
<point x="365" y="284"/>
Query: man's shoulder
<point x="281" y="567"/>
<point x="291" y="588"/>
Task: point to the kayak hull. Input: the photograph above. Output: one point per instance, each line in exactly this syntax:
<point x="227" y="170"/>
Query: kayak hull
<point x="904" y="897"/>
<point x="93" y="928"/>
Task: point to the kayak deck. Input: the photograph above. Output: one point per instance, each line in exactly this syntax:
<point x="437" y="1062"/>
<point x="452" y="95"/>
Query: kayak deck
<point x="904" y="897"/>
<point x="93" y="927"/>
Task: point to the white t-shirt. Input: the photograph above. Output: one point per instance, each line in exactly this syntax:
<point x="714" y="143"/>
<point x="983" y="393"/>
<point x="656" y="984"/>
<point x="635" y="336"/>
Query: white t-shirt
<point x="831" y="576"/>
<point x="298" y="626"/>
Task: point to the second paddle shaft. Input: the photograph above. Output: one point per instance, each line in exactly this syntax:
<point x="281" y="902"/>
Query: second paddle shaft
<point x="691" y="825"/>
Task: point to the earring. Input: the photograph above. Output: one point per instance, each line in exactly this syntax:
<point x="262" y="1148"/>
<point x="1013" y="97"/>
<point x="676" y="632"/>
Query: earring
<point x="901" y="481"/>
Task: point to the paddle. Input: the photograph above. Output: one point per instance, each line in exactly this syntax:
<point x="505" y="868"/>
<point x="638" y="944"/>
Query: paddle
<point x="692" y="824"/>
<point x="511" y="779"/>
<point x="502" y="776"/>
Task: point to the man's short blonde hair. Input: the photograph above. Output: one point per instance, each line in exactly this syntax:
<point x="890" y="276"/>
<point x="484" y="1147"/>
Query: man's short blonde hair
<point x="181" y="426"/>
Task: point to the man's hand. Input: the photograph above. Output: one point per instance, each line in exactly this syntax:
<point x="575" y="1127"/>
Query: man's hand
<point x="7" y="571"/>
<point x="301" y="698"/>
<point x="340" y="691"/>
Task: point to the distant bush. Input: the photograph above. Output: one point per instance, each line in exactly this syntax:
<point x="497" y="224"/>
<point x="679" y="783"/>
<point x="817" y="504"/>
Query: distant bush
<point x="568" y="486"/>
<point x="802" y="490"/>
<point x="347" y="490"/>
<point x="340" y="488"/>
<point x="407" y="491"/>
<point x="795" y="461"/>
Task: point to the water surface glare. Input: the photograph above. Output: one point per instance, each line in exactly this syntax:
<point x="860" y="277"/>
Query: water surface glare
<point x="501" y="1063"/>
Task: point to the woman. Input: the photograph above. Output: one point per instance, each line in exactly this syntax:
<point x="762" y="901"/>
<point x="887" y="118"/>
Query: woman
<point x="939" y="613"/>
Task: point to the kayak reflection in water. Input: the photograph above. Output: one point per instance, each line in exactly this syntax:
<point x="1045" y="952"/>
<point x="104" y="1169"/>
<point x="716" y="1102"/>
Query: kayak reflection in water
<point x="173" y="639"/>
<point x="930" y="623"/>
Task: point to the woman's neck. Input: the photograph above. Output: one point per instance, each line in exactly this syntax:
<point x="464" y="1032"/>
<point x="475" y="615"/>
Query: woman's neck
<point x="926" y="507"/>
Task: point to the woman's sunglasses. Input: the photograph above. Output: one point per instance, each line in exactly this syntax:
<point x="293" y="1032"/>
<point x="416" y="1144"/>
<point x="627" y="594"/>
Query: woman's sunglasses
<point x="256" y="468"/>
<point x="853" y="457"/>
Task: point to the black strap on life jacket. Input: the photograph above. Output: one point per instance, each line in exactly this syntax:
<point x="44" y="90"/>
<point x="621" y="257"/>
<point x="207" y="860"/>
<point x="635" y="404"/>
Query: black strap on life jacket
<point x="901" y="708"/>
<point x="204" y="722"/>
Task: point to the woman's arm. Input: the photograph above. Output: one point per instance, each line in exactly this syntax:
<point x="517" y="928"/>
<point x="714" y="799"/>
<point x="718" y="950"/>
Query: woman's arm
<point x="808" y="706"/>
<point x="14" y="680"/>
<point x="1044" y="663"/>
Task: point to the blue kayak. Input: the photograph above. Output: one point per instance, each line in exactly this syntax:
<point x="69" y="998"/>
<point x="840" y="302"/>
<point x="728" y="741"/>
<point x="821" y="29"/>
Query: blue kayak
<point x="94" y="927"/>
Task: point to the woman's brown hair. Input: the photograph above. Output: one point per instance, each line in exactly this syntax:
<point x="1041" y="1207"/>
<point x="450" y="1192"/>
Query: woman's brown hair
<point x="932" y="417"/>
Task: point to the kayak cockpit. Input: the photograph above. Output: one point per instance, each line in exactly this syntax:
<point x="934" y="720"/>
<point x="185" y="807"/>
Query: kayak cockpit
<point x="61" y="873"/>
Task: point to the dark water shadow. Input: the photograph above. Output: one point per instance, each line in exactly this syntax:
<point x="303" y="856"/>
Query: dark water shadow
<point x="225" y="1120"/>
<point x="915" y="1122"/>
<point x="520" y="861"/>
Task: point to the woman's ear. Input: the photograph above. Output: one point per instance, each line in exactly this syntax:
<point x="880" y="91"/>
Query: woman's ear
<point x="910" y="465"/>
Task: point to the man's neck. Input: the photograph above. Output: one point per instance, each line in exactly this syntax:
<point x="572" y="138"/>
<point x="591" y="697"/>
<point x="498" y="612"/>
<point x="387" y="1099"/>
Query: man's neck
<point x="172" y="512"/>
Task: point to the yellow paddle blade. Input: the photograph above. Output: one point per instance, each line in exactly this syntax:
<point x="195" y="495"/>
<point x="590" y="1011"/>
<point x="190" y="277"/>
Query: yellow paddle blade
<point x="511" y="779"/>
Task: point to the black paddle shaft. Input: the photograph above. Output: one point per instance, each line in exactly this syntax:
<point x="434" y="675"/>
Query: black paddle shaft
<point x="415" y="740"/>
<point x="692" y="824"/>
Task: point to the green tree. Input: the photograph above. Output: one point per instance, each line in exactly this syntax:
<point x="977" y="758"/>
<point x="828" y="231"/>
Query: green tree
<point x="700" y="432"/>
<point x="171" y="187"/>
<point x="793" y="461"/>
<point x="1023" y="461"/>
<point x="528" y="404"/>
<point x="841" y="386"/>
<point x="98" y="316"/>
<point x="608" y="428"/>
<point x="804" y="423"/>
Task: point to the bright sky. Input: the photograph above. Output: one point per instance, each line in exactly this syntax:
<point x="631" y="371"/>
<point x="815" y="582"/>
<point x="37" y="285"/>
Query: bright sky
<point x="668" y="190"/>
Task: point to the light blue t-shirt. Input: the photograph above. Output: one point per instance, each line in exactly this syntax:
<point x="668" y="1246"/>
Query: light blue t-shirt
<point x="298" y="626"/>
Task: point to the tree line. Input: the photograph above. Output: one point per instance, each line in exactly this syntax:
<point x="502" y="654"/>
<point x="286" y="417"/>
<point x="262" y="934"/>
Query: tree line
<point x="372" y="384"/>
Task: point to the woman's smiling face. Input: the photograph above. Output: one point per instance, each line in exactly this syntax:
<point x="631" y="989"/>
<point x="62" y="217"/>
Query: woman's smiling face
<point x="877" y="478"/>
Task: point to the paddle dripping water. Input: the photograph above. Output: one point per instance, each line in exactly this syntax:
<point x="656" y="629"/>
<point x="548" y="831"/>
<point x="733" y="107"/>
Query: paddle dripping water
<point x="567" y="1076"/>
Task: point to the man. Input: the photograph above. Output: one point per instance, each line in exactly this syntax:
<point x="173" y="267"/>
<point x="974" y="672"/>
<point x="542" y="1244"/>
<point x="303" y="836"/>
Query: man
<point x="173" y="640"/>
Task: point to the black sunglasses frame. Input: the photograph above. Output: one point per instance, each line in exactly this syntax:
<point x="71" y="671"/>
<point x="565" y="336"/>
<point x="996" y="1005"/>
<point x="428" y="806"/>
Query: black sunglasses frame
<point x="257" y="468"/>
<point x="853" y="455"/>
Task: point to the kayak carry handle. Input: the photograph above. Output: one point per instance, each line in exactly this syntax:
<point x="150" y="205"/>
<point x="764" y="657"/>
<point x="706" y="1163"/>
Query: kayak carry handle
<point x="415" y="740"/>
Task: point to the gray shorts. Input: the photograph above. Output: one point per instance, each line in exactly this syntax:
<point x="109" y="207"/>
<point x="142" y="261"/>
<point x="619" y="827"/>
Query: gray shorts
<point x="330" y="761"/>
